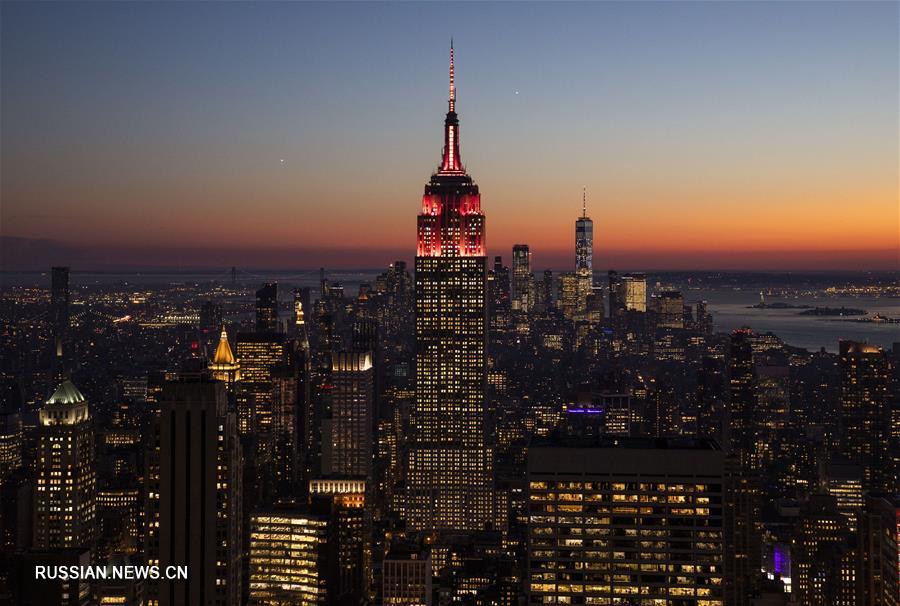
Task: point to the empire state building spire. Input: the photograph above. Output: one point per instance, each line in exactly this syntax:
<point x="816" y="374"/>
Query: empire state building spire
<point x="451" y="162"/>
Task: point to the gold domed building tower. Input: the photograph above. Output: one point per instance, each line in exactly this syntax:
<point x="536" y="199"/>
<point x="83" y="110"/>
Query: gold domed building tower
<point x="224" y="366"/>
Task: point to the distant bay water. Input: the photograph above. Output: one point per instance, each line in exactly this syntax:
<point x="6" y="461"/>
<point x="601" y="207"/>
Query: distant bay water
<point x="730" y="305"/>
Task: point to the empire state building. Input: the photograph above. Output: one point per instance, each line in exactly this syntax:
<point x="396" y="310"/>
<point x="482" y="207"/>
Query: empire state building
<point x="449" y="481"/>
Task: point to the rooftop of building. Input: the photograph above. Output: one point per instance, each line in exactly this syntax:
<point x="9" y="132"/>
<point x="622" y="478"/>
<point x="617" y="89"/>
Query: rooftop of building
<point x="619" y="442"/>
<point x="66" y="393"/>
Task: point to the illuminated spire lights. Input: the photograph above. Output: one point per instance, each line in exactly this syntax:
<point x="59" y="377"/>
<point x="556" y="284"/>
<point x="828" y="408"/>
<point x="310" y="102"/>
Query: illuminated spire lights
<point x="451" y="222"/>
<point x="452" y="103"/>
<point x="451" y="162"/>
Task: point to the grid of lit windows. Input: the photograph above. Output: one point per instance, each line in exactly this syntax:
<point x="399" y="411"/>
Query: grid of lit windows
<point x="614" y="535"/>
<point x="287" y="558"/>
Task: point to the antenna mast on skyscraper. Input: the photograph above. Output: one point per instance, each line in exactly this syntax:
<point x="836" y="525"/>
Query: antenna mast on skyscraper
<point x="452" y="80"/>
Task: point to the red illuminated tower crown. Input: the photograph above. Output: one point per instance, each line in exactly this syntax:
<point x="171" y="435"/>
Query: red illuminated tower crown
<point x="451" y="222"/>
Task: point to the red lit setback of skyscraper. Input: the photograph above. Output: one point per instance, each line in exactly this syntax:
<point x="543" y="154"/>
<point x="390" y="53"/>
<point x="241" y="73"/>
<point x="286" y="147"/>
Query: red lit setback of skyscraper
<point x="451" y="222"/>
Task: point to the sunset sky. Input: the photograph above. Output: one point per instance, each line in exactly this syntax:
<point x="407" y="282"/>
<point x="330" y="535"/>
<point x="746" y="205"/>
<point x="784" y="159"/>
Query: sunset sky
<point x="746" y="135"/>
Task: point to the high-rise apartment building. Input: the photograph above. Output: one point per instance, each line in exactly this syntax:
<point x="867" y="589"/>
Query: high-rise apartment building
<point x="65" y="495"/>
<point x="450" y="475"/>
<point x="615" y="520"/>
<point x="194" y="506"/>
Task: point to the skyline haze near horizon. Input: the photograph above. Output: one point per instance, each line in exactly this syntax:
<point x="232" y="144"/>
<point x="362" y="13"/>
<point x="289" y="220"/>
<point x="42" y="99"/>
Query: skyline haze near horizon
<point x="737" y="136"/>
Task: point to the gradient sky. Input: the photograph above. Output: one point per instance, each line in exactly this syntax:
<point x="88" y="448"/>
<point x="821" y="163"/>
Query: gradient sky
<point x="709" y="135"/>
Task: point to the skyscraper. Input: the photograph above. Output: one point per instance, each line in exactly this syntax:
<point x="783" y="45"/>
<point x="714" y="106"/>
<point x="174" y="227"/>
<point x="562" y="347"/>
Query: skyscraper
<point x="521" y="278"/>
<point x="625" y="520"/>
<point x="741" y="501"/>
<point x="450" y="464"/>
<point x="499" y="293"/>
<point x="742" y="388"/>
<point x="584" y="255"/>
<point x="668" y="306"/>
<point x="288" y="557"/>
<point x="634" y="291"/>
<point x="302" y="308"/>
<point x="59" y="309"/>
<point x="879" y="551"/>
<point x="567" y="299"/>
<point x="627" y="292"/>
<point x="351" y="443"/>
<point x="195" y="494"/>
<point x="823" y="558"/>
<point x="257" y="353"/>
<point x="865" y="385"/>
<point x="267" y="308"/>
<point x="11" y="437"/>
<point x="66" y="488"/>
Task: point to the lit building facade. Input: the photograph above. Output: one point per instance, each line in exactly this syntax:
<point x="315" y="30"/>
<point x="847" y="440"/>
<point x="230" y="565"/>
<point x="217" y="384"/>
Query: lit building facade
<point x="568" y="295"/>
<point x="625" y="521"/>
<point x="521" y="278"/>
<point x="350" y="449"/>
<point x="10" y="442"/>
<point x="343" y="499"/>
<point x="450" y="464"/>
<point x="406" y="576"/>
<point x="65" y="497"/>
<point x="668" y="305"/>
<point x="634" y="291"/>
<point x="288" y="558"/>
<point x="258" y="353"/>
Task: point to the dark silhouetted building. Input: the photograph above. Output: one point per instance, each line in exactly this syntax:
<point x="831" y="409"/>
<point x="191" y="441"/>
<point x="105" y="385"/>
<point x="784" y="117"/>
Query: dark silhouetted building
<point x="267" y="308"/>
<point x="195" y="494"/>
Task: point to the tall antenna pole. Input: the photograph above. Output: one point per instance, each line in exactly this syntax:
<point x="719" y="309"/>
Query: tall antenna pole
<point x="452" y="80"/>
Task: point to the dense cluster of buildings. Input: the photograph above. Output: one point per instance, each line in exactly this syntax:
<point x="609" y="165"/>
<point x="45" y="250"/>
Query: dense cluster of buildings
<point x="468" y="433"/>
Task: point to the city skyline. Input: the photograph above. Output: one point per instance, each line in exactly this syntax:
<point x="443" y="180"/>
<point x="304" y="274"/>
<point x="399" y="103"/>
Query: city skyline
<point x="751" y="133"/>
<point x="471" y="427"/>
